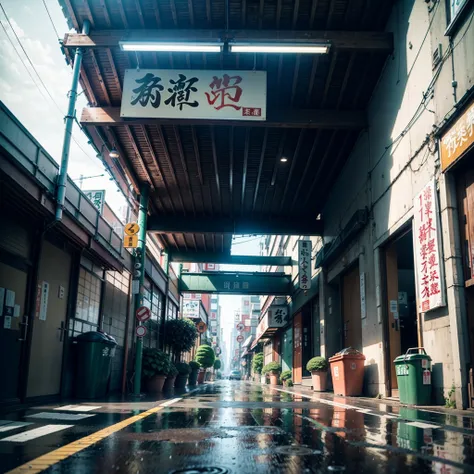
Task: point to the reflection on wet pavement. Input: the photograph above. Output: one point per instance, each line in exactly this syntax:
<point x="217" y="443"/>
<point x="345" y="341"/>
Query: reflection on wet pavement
<point x="238" y="427"/>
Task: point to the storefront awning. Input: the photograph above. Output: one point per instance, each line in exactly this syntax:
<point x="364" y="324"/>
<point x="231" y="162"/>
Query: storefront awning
<point x="245" y="353"/>
<point x="247" y="342"/>
<point x="275" y="318"/>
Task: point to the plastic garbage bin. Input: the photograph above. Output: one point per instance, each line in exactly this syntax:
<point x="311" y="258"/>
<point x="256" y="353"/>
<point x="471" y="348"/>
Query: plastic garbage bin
<point x="95" y="351"/>
<point x="347" y="371"/>
<point x="413" y="371"/>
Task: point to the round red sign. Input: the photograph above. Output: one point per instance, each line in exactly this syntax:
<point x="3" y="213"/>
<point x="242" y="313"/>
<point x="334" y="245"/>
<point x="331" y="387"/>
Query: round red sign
<point x="143" y="314"/>
<point x="240" y="338"/>
<point x="201" y="327"/>
<point x="140" y="331"/>
<point x="240" y="326"/>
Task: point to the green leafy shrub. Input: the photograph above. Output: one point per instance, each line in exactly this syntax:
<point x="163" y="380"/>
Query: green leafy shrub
<point x="317" y="364"/>
<point x="257" y="363"/>
<point x="205" y="356"/>
<point x="449" y="401"/>
<point x="217" y="364"/>
<point x="173" y="372"/>
<point x="272" y="367"/>
<point x="286" y="375"/>
<point x="289" y="383"/>
<point x="194" y="366"/>
<point x="183" y="368"/>
<point x="155" y="362"/>
<point x="181" y="335"/>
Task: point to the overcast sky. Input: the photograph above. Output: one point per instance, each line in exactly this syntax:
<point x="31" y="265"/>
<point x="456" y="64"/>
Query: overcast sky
<point x="29" y="101"/>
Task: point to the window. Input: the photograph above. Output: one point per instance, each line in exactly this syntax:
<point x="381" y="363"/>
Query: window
<point x="153" y="299"/>
<point x="89" y="291"/>
<point x="172" y="311"/>
<point x="455" y="14"/>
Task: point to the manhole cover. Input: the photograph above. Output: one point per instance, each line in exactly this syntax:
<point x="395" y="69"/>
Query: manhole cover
<point x="296" y="451"/>
<point x="199" y="470"/>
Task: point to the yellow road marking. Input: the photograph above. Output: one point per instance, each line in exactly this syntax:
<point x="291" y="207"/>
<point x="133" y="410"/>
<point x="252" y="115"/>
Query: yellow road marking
<point x="50" y="459"/>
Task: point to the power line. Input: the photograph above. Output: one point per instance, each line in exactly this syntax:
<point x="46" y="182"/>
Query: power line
<point x="50" y="19"/>
<point x="39" y="77"/>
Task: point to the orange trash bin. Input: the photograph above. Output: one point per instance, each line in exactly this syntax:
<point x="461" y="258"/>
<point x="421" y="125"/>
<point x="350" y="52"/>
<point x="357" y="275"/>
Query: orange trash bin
<point x="347" y="371"/>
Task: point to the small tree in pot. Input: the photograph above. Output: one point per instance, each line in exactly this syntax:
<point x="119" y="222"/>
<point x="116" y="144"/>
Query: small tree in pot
<point x="257" y="365"/>
<point x="183" y="372"/>
<point x="318" y="366"/>
<point x="170" y="379"/>
<point x="156" y="365"/>
<point x="181" y="335"/>
<point x="205" y="356"/>
<point x="217" y="365"/>
<point x="193" y="375"/>
<point x="274" y="369"/>
<point x="285" y="378"/>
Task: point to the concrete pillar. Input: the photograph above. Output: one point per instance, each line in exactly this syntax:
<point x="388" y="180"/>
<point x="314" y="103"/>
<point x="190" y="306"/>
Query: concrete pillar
<point x="456" y="300"/>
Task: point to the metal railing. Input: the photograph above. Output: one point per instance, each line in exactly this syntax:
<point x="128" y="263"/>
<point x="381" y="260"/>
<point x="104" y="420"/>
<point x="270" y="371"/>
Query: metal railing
<point x="27" y="153"/>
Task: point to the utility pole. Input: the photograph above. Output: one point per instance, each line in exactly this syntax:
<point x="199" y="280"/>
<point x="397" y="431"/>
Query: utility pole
<point x="140" y="254"/>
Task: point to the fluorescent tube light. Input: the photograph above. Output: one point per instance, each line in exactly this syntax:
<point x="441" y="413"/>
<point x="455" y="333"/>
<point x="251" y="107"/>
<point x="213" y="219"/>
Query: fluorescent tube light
<point x="280" y="48"/>
<point x="159" y="46"/>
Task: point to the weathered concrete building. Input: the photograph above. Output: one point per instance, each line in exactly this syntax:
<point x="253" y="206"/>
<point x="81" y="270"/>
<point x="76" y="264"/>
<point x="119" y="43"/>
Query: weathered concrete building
<point x="367" y="289"/>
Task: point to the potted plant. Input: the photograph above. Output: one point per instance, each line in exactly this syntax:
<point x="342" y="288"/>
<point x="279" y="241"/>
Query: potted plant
<point x="156" y="365"/>
<point x="170" y="379"/>
<point x="181" y="335"/>
<point x="205" y="357"/>
<point x="274" y="369"/>
<point x="193" y="375"/>
<point x="183" y="372"/>
<point x="285" y="378"/>
<point x="257" y="365"/>
<point x="318" y="366"/>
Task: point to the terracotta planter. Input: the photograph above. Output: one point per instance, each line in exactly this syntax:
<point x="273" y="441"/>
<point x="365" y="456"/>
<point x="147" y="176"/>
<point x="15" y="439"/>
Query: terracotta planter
<point x="201" y="376"/>
<point x="155" y="384"/>
<point x="319" y="381"/>
<point x="193" y="377"/>
<point x="169" y="383"/>
<point x="274" y="378"/>
<point x="180" y="382"/>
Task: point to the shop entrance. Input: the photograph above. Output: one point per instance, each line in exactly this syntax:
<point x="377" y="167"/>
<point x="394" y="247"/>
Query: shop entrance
<point x="287" y="350"/>
<point x="401" y="312"/>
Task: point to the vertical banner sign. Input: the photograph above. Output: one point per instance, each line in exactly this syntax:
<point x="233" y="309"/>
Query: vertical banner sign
<point x="194" y="94"/>
<point x="429" y="270"/>
<point x="304" y="264"/>
<point x="97" y="197"/>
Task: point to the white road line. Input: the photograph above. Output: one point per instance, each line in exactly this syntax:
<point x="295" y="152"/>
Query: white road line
<point x="419" y="424"/>
<point x="170" y="402"/>
<point x="78" y="408"/>
<point x="7" y="425"/>
<point x="60" y="416"/>
<point x="36" y="433"/>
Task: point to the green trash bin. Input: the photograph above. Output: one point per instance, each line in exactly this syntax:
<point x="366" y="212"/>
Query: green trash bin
<point x="95" y="351"/>
<point x="413" y="371"/>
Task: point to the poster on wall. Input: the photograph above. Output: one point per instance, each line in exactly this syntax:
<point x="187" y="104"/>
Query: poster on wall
<point x="429" y="271"/>
<point x="44" y="301"/>
<point x="304" y="264"/>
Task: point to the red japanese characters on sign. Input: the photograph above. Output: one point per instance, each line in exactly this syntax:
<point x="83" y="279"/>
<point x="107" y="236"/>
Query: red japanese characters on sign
<point x="304" y="263"/>
<point x="430" y="281"/>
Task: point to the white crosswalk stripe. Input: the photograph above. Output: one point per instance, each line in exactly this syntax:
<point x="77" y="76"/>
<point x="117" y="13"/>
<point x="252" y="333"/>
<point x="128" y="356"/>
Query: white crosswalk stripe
<point x="78" y="408"/>
<point x="8" y="425"/>
<point x="35" y="433"/>
<point x="61" y="416"/>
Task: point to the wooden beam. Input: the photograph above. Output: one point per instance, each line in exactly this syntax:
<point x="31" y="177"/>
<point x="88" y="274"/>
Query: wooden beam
<point x="303" y="118"/>
<point x="278" y="157"/>
<point x="191" y="11"/>
<point x="244" y="168"/>
<point x="197" y="155"/>
<point x="285" y="225"/>
<point x="139" y="156"/>
<point x="260" y="167"/>
<point x="312" y="16"/>
<point x="340" y="40"/>
<point x="105" y="11"/>
<point x="123" y="14"/>
<point x="100" y="78"/>
<point x="140" y="13"/>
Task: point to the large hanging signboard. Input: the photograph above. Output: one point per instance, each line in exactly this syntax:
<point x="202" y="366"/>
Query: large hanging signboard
<point x="304" y="264"/>
<point x="191" y="309"/>
<point x="429" y="270"/>
<point x="188" y="94"/>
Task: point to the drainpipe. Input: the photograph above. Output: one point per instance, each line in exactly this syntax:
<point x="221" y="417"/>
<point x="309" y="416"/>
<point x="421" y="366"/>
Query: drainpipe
<point x="140" y="258"/>
<point x="69" y="120"/>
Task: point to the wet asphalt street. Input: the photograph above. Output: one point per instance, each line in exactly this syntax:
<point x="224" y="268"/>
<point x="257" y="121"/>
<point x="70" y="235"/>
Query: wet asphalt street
<point x="236" y="427"/>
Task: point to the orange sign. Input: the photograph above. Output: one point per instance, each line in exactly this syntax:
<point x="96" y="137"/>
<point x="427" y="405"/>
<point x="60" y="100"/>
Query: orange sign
<point x="130" y="241"/>
<point x="201" y="327"/>
<point x="458" y="139"/>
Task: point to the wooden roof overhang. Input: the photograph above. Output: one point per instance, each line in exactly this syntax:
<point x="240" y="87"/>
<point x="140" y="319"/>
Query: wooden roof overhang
<point x="210" y="179"/>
